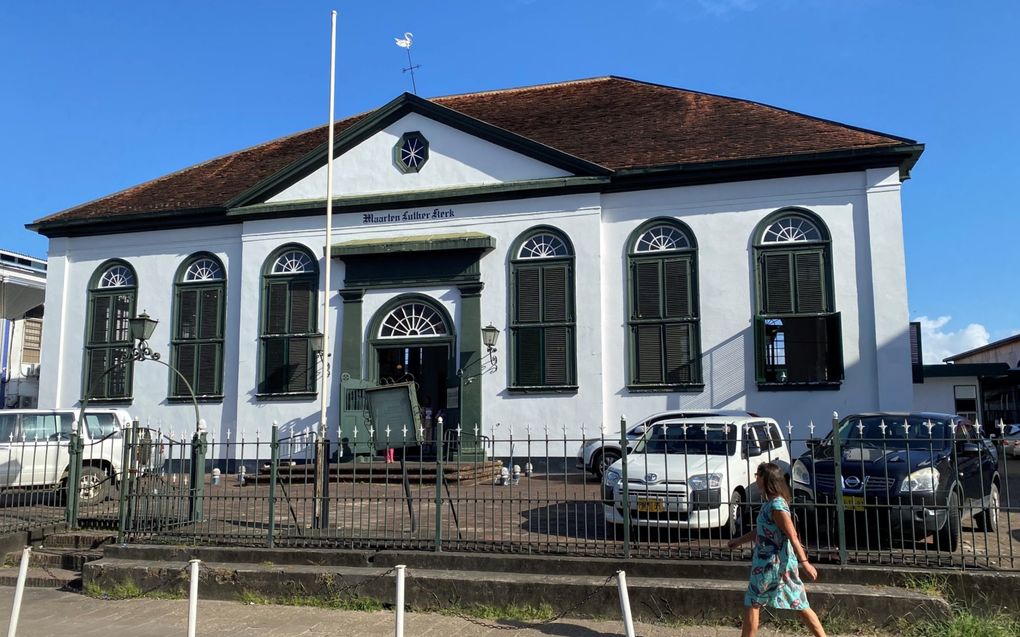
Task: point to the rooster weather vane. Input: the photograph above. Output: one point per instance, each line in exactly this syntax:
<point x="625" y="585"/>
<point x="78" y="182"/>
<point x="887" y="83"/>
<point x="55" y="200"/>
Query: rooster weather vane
<point x="405" y="43"/>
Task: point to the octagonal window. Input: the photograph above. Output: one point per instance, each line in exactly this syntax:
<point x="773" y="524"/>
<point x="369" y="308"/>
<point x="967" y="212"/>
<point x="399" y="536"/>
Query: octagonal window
<point x="411" y="152"/>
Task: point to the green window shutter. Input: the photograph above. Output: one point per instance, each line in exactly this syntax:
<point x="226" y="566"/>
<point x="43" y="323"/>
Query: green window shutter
<point x="123" y="309"/>
<point x="119" y="378"/>
<point x="207" y="378"/>
<point x="648" y="353"/>
<point x="810" y="282"/>
<point x="209" y="325"/>
<point x="302" y="310"/>
<point x="274" y="365"/>
<point x="677" y="288"/>
<point x="647" y="290"/>
<point x="528" y="360"/>
<point x="276" y="307"/>
<point x="97" y="359"/>
<point x="777" y="284"/>
<point x="528" y="297"/>
<point x="186" y="355"/>
<point x="759" y="348"/>
<point x="297" y="365"/>
<point x="678" y="353"/>
<point x="834" y="339"/>
<point x="557" y="365"/>
<point x="555" y="290"/>
<point x="100" y="328"/>
<point x="187" y="312"/>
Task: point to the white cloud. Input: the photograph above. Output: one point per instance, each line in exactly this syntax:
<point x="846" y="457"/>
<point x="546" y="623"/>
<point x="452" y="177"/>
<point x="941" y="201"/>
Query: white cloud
<point x="937" y="342"/>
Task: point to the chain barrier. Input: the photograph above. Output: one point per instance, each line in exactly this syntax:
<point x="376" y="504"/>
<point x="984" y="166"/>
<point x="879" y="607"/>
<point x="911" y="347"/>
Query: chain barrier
<point x="530" y="625"/>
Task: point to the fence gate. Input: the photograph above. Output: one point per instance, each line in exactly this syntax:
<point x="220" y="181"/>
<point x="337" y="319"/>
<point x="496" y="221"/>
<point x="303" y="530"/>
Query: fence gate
<point x="354" y="435"/>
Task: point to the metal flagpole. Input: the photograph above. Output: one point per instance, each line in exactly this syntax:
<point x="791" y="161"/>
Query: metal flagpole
<point x="322" y="455"/>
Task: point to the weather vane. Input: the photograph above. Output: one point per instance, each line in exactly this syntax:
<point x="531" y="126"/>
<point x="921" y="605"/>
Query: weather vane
<point x="405" y="43"/>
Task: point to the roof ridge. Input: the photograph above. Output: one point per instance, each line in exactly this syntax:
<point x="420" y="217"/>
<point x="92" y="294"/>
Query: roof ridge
<point x="530" y="87"/>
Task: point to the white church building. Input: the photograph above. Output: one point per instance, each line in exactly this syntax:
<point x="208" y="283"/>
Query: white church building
<point x="638" y="248"/>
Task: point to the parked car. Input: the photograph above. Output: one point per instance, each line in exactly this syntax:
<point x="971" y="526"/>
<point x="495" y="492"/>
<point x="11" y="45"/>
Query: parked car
<point x="695" y="473"/>
<point x="918" y="473"/>
<point x="34" y="449"/>
<point x="1008" y="438"/>
<point x="595" y="454"/>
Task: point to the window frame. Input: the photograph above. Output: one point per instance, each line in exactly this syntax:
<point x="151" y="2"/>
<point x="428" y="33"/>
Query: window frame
<point x="110" y="347"/>
<point x="176" y="390"/>
<point x="826" y="319"/>
<point x="288" y="337"/>
<point x="542" y="265"/>
<point x="31" y="341"/>
<point x="635" y="258"/>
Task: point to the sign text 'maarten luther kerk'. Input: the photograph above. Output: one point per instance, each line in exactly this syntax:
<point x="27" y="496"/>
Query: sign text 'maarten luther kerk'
<point x="408" y="215"/>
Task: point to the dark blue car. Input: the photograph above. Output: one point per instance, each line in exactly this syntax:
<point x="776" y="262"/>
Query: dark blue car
<point x="913" y="474"/>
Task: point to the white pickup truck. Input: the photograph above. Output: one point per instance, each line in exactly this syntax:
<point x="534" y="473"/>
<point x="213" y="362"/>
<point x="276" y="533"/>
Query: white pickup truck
<point x="34" y="449"/>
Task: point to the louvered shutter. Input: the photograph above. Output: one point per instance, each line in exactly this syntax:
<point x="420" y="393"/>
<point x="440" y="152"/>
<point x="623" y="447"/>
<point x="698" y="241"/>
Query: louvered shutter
<point x="100" y="332"/>
<point x="207" y="378"/>
<point x="276" y="308"/>
<point x="810" y="282"/>
<point x="648" y="292"/>
<point x="677" y="287"/>
<point x="760" y="343"/>
<point x="556" y="356"/>
<point x="678" y="353"/>
<point x="297" y="365"/>
<point x="834" y="338"/>
<point x="186" y="364"/>
<point x="119" y="376"/>
<point x="122" y="311"/>
<point x="302" y="313"/>
<point x="275" y="366"/>
<point x="648" y="352"/>
<point x="528" y="303"/>
<point x="209" y="325"/>
<point x="96" y="368"/>
<point x="777" y="284"/>
<point x="528" y="362"/>
<point x="555" y="300"/>
<point x="188" y="313"/>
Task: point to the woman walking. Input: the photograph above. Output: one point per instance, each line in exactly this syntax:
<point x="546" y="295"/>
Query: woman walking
<point x="778" y="557"/>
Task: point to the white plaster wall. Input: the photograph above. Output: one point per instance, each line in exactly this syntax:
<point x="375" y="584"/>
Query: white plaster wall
<point x="936" y="394"/>
<point x="455" y="159"/>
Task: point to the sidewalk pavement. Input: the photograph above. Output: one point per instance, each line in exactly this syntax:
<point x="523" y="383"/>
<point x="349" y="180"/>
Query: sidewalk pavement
<point x="50" y="613"/>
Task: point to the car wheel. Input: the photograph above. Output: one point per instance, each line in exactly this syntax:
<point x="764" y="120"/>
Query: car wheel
<point x="988" y="519"/>
<point x="735" y="526"/>
<point x="93" y="486"/>
<point x="604" y="461"/>
<point x="948" y="537"/>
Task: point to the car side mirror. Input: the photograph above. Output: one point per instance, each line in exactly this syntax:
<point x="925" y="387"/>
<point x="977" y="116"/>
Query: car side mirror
<point x="753" y="450"/>
<point x="639" y="430"/>
<point x="970" y="449"/>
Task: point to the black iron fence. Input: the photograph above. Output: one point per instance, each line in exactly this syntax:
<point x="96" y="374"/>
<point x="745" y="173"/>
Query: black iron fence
<point x="888" y="491"/>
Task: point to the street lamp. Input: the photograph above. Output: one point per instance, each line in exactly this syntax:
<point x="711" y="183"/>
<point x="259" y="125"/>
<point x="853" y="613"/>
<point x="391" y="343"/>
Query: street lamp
<point x="489" y="364"/>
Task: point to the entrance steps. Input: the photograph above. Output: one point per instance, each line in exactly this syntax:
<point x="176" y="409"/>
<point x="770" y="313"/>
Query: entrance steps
<point x="579" y="587"/>
<point x="377" y="471"/>
<point x="57" y="561"/>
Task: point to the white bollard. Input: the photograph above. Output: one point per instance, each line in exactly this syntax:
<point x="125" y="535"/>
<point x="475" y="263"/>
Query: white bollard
<point x="628" y="621"/>
<point x="193" y="598"/>
<point x="400" y="600"/>
<point x="26" y="555"/>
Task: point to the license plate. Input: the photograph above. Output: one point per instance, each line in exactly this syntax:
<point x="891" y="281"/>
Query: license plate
<point x="650" y="505"/>
<point x="853" y="503"/>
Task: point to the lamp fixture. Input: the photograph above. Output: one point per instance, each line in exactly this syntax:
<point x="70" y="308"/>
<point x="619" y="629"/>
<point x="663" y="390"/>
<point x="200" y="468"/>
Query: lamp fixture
<point x="489" y="363"/>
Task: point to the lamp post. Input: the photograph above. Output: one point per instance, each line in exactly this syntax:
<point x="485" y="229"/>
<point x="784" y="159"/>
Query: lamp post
<point x="140" y="330"/>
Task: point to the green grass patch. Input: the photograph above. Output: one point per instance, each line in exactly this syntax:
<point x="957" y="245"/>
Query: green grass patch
<point x="120" y="590"/>
<point x="512" y="612"/>
<point x="336" y="603"/>
<point x="964" y="624"/>
<point x="927" y="583"/>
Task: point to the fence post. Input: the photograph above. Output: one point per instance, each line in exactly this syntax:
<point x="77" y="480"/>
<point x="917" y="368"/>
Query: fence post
<point x="837" y="464"/>
<point x="274" y="463"/>
<point x="440" y="452"/>
<point x="197" y="477"/>
<point x="625" y="494"/>
<point x="75" y="449"/>
<point x="124" y="482"/>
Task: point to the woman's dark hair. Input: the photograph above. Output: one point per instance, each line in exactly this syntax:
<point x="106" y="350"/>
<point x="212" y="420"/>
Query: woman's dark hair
<point x="773" y="482"/>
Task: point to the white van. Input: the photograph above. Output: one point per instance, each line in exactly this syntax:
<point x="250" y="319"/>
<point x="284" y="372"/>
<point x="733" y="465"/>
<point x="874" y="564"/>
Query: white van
<point x="34" y="449"/>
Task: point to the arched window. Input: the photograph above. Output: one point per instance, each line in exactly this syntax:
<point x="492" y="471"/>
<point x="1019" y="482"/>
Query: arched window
<point x="798" y="337"/>
<point x="412" y="320"/>
<point x="197" y="347"/>
<point x="665" y="348"/>
<point x="289" y="317"/>
<point x="111" y="302"/>
<point x="542" y="323"/>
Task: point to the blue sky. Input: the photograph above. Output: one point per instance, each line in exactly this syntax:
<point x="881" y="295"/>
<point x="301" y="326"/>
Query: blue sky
<point x="101" y="96"/>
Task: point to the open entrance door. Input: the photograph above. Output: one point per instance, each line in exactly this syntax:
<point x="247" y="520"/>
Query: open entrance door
<point x="427" y="366"/>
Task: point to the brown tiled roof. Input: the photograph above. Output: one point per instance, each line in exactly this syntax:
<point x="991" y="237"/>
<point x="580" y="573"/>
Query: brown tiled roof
<point x="615" y="122"/>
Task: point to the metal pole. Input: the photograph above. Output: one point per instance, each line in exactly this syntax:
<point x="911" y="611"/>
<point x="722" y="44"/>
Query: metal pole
<point x="399" y="632"/>
<point x="193" y="598"/>
<point x="197" y="486"/>
<point x="322" y="449"/>
<point x="837" y="463"/>
<point x="628" y="621"/>
<point x="274" y="464"/>
<point x="122" y="487"/>
<point x="26" y="556"/>
<point x="625" y="493"/>
<point x="439" y="482"/>
<point x="75" y="450"/>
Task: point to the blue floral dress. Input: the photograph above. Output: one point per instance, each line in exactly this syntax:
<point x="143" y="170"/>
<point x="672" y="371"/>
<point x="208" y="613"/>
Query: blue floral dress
<point x="775" y="579"/>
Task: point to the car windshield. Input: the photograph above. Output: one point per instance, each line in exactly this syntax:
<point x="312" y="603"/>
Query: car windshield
<point x="713" y="439"/>
<point x="893" y="431"/>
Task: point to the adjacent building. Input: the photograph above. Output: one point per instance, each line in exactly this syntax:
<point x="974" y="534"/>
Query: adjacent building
<point x="638" y="248"/>
<point x="22" y="288"/>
